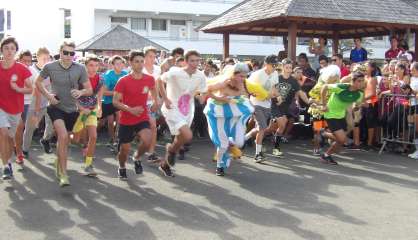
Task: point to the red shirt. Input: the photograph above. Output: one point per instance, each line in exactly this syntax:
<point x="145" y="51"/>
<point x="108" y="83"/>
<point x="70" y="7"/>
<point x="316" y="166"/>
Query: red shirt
<point x="344" y="72"/>
<point x="11" y="101"/>
<point x="392" y="54"/>
<point x="94" y="81"/>
<point x="134" y="93"/>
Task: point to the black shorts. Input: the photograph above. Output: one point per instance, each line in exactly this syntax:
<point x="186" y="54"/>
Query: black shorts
<point x="285" y="110"/>
<point x="337" y="124"/>
<point x="108" y="109"/>
<point x="371" y="115"/>
<point x="68" y="118"/>
<point x="127" y="133"/>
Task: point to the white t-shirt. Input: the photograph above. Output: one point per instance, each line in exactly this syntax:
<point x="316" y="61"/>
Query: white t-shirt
<point x="47" y="83"/>
<point x="181" y="88"/>
<point x="267" y="82"/>
<point x="28" y="97"/>
<point x="156" y="72"/>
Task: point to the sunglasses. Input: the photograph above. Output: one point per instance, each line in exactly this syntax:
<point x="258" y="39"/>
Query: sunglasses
<point x="333" y="60"/>
<point x="68" y="53"/>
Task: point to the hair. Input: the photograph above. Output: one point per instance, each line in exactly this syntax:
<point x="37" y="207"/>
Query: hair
<point x="357" y="75"/>
<point x="93" y="58"/>
<point x="338" y="55"/>
<point x="115" y="58"/>
<point x="403" y="67"/>
<point x="67" y="43"/>
<point x="229" y="61"/>
<point x="326" y="40"/>
<point x="177" y="50"/>
<point x="393" y="37"/>
<point x="303" y="56"/>
<point x="297" y="69"/>
<point x="286" y="61"/>
<point x="180" y="59"/>
<point x="359" y="38"/>
<point x="190" y="53"/>
<point x="7" y="40"/>
<point x="150" y="49"/>
<point x="42" y="50"/>
<point x="323" y="57"/>
<point x="135" y="53"/>
<point x="25" y="53"/>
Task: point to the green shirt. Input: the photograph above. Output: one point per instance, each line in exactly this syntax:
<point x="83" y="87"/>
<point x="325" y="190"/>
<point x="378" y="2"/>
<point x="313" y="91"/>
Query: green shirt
<point x="341" y="98"/>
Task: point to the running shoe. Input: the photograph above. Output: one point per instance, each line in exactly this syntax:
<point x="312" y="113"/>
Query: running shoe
<point x="138" y="167"/>
<point x="317" y="152"/>
<point x="166" y="170"/>
<point x="89" y="171"/>
<point x="327" y="160"/>
<point x="64" y="181"/>
<point x="259" y="158"/>
<point x="122" y="174"/>
<point x="46" y="146"/>
<point x="19" y="159"/>
<point x="220" y="171"/>
<point x="7" y="173"/>
<point x="153" y="158"/>
<point x="277" y="152"/>
<point x="25" y="154"/>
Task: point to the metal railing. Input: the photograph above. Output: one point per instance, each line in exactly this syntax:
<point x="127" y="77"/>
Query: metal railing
<point x="398" y="117"/>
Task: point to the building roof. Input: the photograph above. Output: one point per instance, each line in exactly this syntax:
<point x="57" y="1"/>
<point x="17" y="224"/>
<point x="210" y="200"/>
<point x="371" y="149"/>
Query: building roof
<point x="117" y="38"/>
<point x="319" y="17"/>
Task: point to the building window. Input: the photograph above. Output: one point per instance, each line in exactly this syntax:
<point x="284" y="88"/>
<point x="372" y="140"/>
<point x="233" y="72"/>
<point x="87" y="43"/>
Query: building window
<point x="378" y="38"/>
<point x="120" y="20"/>
<point x="159" y="25"/>
<point x="1" y="20"/>
<point x="178" y="22"/>
<point x="9" y="20"/>
<point x="138" y="24"/>
<point x="67" y="23"/>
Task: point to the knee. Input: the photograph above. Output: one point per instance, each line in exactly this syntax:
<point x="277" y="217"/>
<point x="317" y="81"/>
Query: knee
<point x="63" y="137"/>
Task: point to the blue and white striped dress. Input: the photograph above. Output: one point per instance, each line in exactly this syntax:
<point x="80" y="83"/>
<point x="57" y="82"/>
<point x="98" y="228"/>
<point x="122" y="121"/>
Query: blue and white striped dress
<point x="227" y="124"/>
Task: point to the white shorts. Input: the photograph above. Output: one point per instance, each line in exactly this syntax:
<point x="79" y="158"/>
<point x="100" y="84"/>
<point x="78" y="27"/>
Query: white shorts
<point x="9" y="121"/>
<point x="176" y="120"/>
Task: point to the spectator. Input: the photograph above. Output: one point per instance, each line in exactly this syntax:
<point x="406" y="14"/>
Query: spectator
<point x="321" y="49"/>
<point x="394" y="50"/>
<point x="358" y="54"/>
<point x="337" y="59"/>
<point x="303" y="63"/>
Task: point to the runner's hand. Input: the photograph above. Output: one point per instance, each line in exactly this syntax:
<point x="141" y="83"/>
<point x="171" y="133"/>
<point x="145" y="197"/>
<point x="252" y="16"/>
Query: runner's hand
<point x="14" y="86"/>
<point x="167" y="103"/>
<point x="76" y="93"/>
<point x="99" y="113"/>
<point x="52" y="100"/>
<point x="136" y="110"/>
<point x="86" y="111"/>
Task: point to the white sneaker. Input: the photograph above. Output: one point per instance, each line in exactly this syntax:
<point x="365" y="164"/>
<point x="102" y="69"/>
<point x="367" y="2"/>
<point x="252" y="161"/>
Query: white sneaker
<point x="414" y="155"/>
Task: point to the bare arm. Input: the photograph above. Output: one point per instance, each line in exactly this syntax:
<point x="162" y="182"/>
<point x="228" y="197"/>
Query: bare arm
<point x="324" y="92"/>
<point x="26" y="89"/>
<point x="302" y="95"/>
<point x="40" y="86"/>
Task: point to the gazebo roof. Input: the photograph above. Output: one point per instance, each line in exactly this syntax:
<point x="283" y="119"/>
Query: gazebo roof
<point x="117" y="38"/>
<point x="347" y="18"/>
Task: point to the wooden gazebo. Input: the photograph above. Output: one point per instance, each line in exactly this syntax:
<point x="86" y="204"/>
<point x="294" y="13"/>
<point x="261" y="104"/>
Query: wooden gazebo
<point x="333" y="19"/>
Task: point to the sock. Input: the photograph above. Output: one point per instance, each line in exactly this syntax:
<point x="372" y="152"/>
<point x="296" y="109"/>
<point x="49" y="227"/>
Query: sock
<point x="89" y="161"/>
<point x="258" y="148"/>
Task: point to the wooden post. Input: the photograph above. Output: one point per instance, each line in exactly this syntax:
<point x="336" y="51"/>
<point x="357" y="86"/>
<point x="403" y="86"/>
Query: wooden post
<point x="291" y="41"/>
<point x="226" y="45"/>
<point x="335" y="42"/>
<point x="416" y="44"/>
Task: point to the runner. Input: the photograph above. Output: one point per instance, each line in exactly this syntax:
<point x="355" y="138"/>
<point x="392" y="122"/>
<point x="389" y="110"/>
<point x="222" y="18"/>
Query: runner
<point x="342" y="96"/>
<point x="90" y="109"/>
<point x="172" y="60"/>
<point x="15" y="82"/>
<point x="288" y="89"/>
<point x="37" y="108"/>
<point x="109" y="112"/>
<point x="66" y="78"/>
<point x="155" y="71"/>
<point x="130" y="96"/>
<point x="178" y="109"/>
<point x="267" y="77"/>
<point x="25" y="58"/>
<point x="227" y="112"/>
<point x="371" y="110"/>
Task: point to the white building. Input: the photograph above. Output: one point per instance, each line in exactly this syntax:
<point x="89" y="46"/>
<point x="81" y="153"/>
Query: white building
<point x="170" y="23"/>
